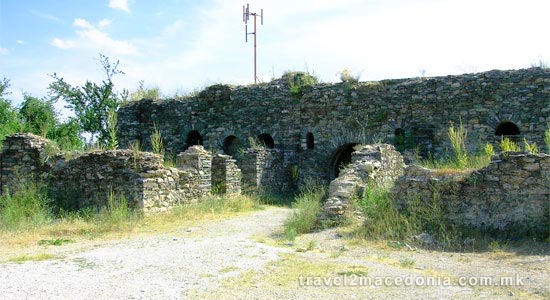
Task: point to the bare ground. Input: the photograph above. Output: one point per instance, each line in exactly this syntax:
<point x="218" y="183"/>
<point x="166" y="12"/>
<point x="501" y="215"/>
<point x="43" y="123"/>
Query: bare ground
<point x="246" y="258"/>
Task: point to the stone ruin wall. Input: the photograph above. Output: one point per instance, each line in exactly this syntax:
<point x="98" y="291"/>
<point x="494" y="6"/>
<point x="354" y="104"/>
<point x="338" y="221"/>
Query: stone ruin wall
<point x="315" y="124"/>
<point x="511" y="196"/>
<point x="371" y="165"/>
<point x="87" y="179"/>
<point x="23" y="156"/>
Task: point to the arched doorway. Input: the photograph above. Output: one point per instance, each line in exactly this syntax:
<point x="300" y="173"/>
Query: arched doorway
<point x="267" y="140"/>
<point x="341" y="157"/>
<point x="231" y="145"/>
<point x="193" y="138"/>
<point x="507" y="128"/>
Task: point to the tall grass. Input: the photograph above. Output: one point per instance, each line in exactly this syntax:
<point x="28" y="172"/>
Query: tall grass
<point x="457" y="136"/>
<point x="306" y="209"/>
<point x="385" y="221"/>
<point x="26" y="207"/>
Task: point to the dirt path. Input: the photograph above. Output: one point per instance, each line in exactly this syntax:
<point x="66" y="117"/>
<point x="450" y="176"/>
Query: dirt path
<point x="242" y="258"/>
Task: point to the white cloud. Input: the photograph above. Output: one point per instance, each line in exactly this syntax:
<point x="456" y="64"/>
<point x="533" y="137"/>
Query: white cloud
<point x="20" y="42"/>
<point x="119" y="4"/>
<point x="104" y="23"/>
<point x="4" y="51"/>
<point x="63" y="44"/>
<point x="93" y="37"/>
<point x="44" y="16"/>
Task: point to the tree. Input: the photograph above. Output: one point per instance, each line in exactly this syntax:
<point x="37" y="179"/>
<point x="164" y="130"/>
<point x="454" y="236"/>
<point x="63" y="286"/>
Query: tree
<point x="91" y="102"/>
<point x="10" y="122"/>
<point x="38" y="116"/>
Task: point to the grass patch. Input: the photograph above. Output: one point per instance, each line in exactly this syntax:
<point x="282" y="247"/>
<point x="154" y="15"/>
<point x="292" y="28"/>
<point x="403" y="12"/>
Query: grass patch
<point x="36" y="257"/>
<point x="54" y="242"/>
<point x="24" y="225"/>
<point x="24" y="208"/>
<point x="306" y="209"/>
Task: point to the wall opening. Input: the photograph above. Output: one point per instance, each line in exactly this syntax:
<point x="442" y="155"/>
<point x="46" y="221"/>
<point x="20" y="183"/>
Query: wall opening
<point x="507" y="128"/>
<point x="266" y="140"/>
<point x="231" y="145"/>
<point x="193" y="138"/>
<point x="399" y="139"/>
<point x="310" y="141"/>
<point x="340" y="158"/>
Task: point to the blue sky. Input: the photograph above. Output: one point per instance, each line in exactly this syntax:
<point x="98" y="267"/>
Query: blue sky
<point x="180" y="45"/>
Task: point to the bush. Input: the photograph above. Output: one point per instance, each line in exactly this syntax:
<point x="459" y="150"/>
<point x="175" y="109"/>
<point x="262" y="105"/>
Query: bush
<point x="306" y="209"/>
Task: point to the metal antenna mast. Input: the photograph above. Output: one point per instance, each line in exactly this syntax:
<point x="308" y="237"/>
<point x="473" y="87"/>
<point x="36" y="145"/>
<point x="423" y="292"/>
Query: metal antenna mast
<point x="246" y="17"/>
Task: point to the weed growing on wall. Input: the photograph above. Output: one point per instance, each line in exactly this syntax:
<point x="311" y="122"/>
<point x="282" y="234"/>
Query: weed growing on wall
<point x="530" y="147"/>
<point x="507" y="145"/>
<point x="157" y="143"/>
<point x="457" y="136"/>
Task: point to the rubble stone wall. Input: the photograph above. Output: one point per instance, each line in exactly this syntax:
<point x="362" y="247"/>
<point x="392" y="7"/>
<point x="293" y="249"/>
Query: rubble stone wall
<point x="510" y="196"/>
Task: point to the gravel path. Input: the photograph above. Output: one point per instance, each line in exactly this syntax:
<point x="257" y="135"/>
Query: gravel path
<point x="241" y="258"/>
<point x="153" y="267"/>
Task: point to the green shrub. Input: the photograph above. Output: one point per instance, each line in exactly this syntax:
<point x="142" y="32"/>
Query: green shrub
<point x="25" y="207"/>
<point x="306" y="209"/>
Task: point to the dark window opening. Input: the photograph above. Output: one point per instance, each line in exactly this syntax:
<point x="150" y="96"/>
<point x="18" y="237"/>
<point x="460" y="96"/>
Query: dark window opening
<point x="266" y="140"/>
<point x="193" y="138"/>
<point x="310" y="141"/>
<point x="341" y="158"/>
<point x="507" y="128"/>
<point x="231" y="145"/>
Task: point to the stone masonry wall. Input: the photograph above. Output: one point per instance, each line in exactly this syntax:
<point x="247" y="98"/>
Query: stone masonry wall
<point x="22" y="155"/>
<point x="226" y="176"/>
<point x="409" y="113"/>
<point x="371" y="165"/>
<point x="510" y="197"/>
<point x="267" y="169"/>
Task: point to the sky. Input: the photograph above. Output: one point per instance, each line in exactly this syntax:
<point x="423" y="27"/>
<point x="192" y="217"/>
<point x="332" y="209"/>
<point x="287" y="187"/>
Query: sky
<point x="183" y="45"/>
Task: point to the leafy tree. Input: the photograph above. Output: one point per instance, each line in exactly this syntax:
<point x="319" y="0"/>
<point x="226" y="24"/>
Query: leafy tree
<point x="10" y="122"/>
<point x="38" y="116"/>
<point x="67" y="135"/>
<point x="91" y="102"/>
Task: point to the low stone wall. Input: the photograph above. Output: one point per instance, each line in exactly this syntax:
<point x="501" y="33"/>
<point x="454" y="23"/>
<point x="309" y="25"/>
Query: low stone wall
<point x="268" y="169"/>
<point x="23" y="155"/>
<point x="510" y="197"/>
<point x="226" y="176"/>
<point x="371" y="164"/>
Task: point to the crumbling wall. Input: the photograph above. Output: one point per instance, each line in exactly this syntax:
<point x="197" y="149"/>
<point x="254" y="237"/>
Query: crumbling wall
<point x="268" y="169"/>
<point x="24" y="155"/>
<point x="226" y="175"/>
<point x="372" y="165"/>
<point x="510" y="197"/>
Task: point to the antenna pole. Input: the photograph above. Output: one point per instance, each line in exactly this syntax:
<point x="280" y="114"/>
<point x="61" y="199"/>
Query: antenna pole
<point x="246" y="17"/>
<point x="255" y="75"/>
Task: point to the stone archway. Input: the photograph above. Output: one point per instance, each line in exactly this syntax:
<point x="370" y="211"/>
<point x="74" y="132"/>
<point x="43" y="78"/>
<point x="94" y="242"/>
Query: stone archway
<point x="341" y="157"/>
<point x="267" y="140"/>
<point x="507" y="128"/>
<point x="231" y="145"/>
